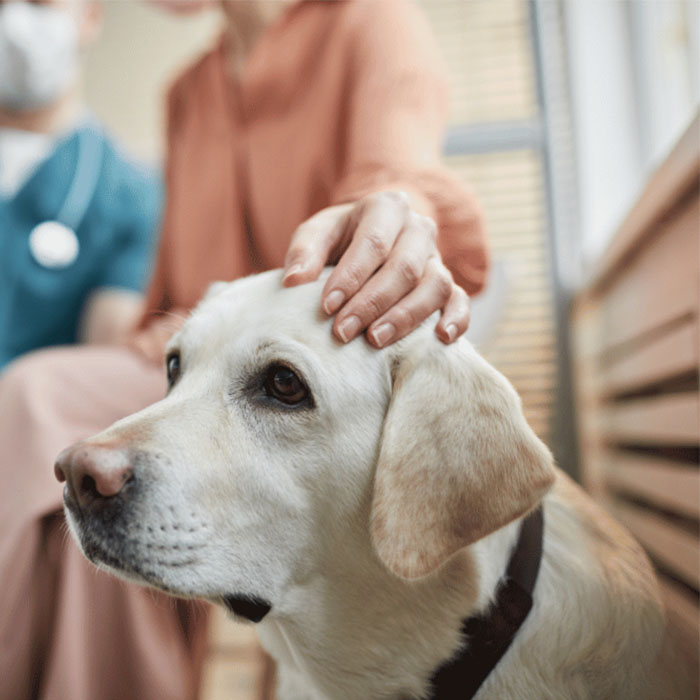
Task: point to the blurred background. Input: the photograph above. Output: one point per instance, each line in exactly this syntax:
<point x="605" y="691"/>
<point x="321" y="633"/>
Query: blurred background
<point x="576" y="124"/>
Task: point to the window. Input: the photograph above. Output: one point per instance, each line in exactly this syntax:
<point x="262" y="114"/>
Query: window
<point x="495" y="144"/>
<point x="634" y="88"/>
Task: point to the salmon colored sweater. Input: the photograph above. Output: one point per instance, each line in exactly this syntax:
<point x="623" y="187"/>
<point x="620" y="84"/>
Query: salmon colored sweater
<point x="337" y="100"/>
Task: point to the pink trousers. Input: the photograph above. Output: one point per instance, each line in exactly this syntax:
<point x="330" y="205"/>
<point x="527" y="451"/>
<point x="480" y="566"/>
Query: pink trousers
<point x="67" y="630"/>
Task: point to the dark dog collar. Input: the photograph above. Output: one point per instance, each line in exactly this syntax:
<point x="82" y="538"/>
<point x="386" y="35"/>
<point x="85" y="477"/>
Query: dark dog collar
<point x="487" y="636"/>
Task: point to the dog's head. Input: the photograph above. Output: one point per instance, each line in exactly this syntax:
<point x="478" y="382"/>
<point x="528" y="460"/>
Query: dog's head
<point x="276" y="446"/>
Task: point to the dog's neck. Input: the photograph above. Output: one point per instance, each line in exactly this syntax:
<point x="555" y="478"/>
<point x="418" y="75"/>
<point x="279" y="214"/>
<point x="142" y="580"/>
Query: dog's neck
<point x="355" y="630"/>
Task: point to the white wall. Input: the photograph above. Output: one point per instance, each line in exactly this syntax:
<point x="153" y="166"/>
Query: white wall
<point x="141" y="49"/>
<point x="604" y="113"/>
<point x="634" y="87"/>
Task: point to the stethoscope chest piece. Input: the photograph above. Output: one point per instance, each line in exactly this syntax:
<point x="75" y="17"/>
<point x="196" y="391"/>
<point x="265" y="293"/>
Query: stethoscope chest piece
<point x="53" y="244"/>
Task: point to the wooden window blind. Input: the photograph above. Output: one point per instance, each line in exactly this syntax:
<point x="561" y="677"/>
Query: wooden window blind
<point x="487" y="47"/>
<point x="489" y="52"/>
<point x="509" y="185"/>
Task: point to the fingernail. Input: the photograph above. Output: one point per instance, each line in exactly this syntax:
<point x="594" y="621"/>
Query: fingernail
<point x="293" y="270"/>
<point x="349" y="328"/>
<point x="451" y="332"/>
<point x="383" y="334"/>
<point x="333" y="302"/>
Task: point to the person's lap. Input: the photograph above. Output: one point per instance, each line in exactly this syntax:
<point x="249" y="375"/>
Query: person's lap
<point x="67" y="629"/>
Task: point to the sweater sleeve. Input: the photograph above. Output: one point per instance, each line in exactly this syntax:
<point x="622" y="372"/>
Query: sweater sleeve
<point x="395" y="116"/>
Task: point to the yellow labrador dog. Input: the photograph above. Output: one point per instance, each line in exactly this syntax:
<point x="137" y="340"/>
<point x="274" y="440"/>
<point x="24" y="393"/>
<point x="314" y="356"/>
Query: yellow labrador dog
<point x="387" y="517"/>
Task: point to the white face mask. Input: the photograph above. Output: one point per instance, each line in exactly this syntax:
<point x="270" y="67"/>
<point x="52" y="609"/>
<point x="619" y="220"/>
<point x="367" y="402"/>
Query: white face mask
<point x="38" y="54"/>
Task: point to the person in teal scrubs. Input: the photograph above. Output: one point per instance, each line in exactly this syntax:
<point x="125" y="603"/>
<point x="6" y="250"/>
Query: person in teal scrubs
<point x="77" y="219"/>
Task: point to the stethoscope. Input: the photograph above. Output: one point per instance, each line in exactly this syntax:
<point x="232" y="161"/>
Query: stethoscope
<point x="54" y="243"/>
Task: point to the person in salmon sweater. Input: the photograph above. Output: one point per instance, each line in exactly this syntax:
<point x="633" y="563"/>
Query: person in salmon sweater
<point x="309" y="135"/>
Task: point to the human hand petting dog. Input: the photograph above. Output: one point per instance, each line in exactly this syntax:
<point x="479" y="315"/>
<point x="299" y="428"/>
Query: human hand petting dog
<point x="389" y="276"/>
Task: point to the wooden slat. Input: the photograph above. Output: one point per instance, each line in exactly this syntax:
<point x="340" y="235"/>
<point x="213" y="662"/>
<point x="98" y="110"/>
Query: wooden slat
<point x="540" y="326"/>
<point x="660" y="481"/>
<point x="542" y="311"/>
<point x="541" y="429"/>
<point x="681" y="655"/>
<point x="527" y="347"/>
<point x="673" y="547"/>
<point x="525" y="371"/>
<point x="677" y="175"/>
<point x="670" y="354"/>
<point x="659" y="285"/>
<point x="670" y="419"/>
<point x="536" y="400"/>
<point x="538" y="382"/>
<point x="536" y="259"/>
<point x="536" y="414"/>
<point x="682" y="607"/>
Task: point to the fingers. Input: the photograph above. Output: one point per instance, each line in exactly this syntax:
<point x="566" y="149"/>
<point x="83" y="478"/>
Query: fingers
<point x="389" y="277"/>
<point x="455" y="316"/>
<point x="313" y="242"/>
<point x="382" y="218"/>
<point x="433" y="293"/>
<point x="401" y="273"/>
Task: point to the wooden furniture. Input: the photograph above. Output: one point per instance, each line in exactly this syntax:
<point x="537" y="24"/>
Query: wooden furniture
<point x="635" y="339"/>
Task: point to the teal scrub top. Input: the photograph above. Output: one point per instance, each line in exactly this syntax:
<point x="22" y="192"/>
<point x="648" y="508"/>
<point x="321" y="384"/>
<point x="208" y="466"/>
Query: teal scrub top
<point x="116" y="233"/>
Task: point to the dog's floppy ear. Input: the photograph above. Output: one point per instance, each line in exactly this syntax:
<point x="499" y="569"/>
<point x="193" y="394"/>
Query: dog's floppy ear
<point x="457" y="459"/>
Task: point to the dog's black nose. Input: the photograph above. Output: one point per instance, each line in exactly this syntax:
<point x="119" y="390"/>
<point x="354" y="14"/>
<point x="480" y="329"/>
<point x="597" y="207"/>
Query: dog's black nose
<point x="93" y="473"/>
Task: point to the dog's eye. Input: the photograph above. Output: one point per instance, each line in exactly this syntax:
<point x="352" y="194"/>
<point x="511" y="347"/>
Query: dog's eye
<point x="172" y="365"/>
<point x="284" y="385"/>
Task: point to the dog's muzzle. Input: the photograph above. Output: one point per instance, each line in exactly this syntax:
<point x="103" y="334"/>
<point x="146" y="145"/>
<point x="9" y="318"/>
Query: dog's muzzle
<point x="102" y="494"/>
<point x="107" y="492"/>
